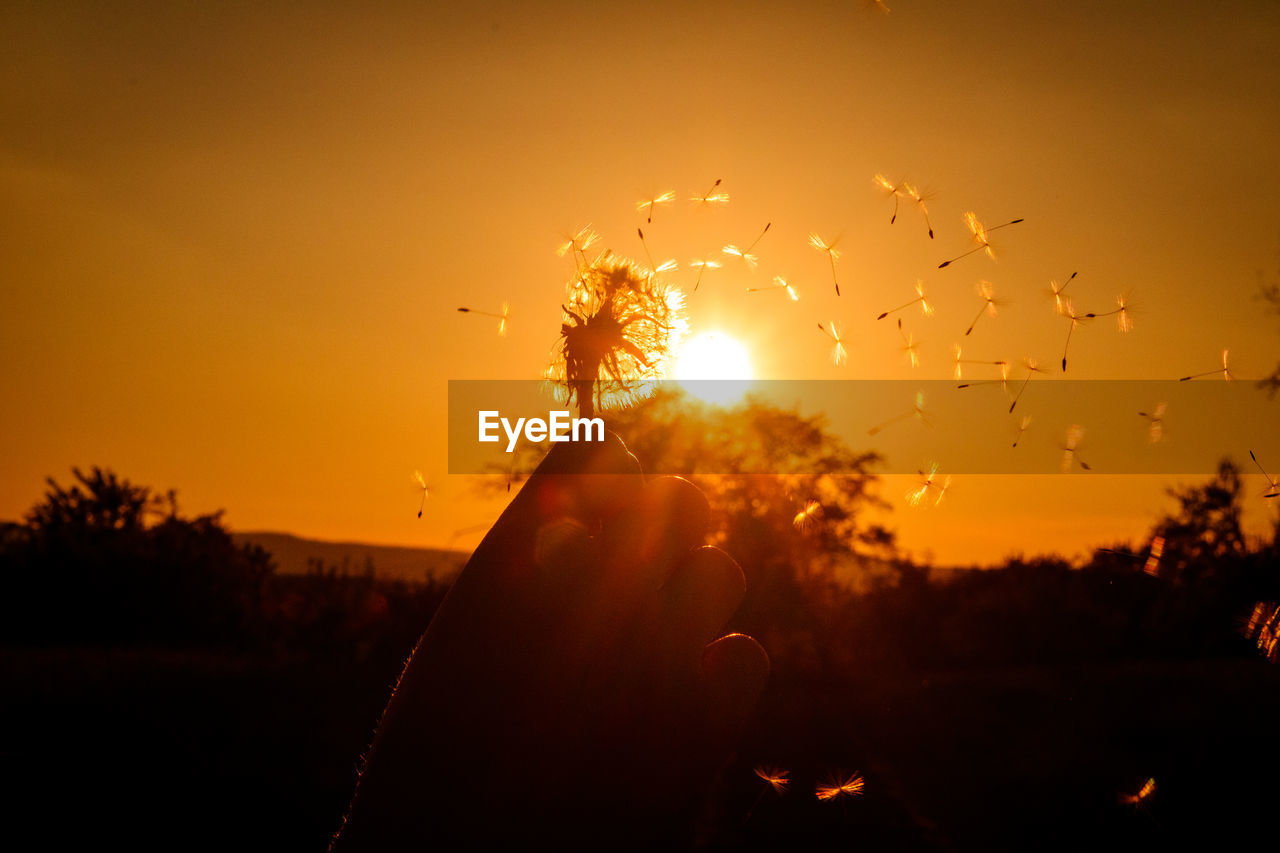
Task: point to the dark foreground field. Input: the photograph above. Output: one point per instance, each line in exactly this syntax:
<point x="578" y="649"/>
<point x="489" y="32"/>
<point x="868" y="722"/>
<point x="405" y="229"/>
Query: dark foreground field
<point x="168" y="750"/>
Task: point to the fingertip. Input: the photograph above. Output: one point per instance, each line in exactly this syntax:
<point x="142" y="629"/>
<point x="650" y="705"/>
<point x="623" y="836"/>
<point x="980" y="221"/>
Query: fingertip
<point x="647" y="541"/>
<point x="680" y="507"/>
<point x="736" y="669"/>
<point x="702" y="593"/>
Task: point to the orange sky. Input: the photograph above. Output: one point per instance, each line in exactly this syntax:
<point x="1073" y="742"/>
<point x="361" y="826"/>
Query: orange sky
<point x="235" y="236"/>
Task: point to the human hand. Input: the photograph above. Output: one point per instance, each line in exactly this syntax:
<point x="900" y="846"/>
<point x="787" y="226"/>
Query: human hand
<point x="570" y="690"/>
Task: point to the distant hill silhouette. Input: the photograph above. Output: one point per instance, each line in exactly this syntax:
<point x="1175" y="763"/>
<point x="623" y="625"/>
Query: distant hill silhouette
<point x="295" y="555"/>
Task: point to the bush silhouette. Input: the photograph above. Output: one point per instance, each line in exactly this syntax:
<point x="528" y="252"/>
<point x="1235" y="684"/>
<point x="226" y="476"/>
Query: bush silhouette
<point x="106" y="561"/>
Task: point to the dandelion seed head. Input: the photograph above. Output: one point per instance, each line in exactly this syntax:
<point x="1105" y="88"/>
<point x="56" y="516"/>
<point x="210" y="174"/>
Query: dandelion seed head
<point x="621" y="326"/>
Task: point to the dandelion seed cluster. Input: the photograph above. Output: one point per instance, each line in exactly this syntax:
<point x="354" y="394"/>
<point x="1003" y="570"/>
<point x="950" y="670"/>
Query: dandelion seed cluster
<point x="620" y="328"/>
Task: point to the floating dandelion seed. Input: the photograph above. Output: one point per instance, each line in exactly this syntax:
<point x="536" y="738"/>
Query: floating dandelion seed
<point x="620" y="327"/>
<point x="1264" y="627"/>
<point x="501" y="318"/>
<point x="712" y="196"/>
<point x="776" y="779"/>
<point x="917" y="411"/>
<point x="838" y="353"/>
<point x="919" y="199"/>
<point x="1076" y="319"/>
<point x="779" y="283"/>
<point x="1022" y="427"/>
<point x="1156" y="417"/>
<point x="894" y="190"/>
<point x="929" y="483"/>
<point x="1257" y="617"/>
<point x="909" y="345"/>
<point x="832" y="253"/>
<point x="942" y="489"/>
<point x="805" y="516"/>
<point x="1070" y="454"/>
<point x="837" y="786"/>
<point x="1003" y="381"/>
<point x="750" y="259"/>
<point x="702" y="266"/>
<point x="1055" y="290"/>
<point x="1032" y="370"/>
<point x="1152" y="565"/>
<point x="961" y="361"/>
<point x="422" y="484"/>
<point x="879" y="6"/>
<point x="980" y="233"/>
<point x="925" y="308"/>
<point x="1145" y="793"/>
<point x="665" y="266"/>
<point x="1225" y="371"/>
<point x="578" y="245"/>
<point x="1273" y="483"/>
<point x="989" y="303"/>
<point x="1123" y="321"/>
<point x="664" y="198"/>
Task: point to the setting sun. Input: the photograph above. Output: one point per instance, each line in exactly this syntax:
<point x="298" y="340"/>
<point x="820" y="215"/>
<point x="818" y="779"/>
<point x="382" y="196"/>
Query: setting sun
<point x="714" y="367"/>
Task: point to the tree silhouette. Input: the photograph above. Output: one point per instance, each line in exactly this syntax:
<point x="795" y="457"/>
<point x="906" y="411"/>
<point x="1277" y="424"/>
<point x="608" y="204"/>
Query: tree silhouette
<point x="799" y="574"/>
<point x="1205" y="532"/>
<point x="105" y="561"/>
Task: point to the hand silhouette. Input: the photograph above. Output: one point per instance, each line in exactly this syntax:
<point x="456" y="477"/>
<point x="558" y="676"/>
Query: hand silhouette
<point x="570" y="690"/>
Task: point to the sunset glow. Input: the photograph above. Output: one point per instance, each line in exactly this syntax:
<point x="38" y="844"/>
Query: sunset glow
<point x="718" y="366"/>
<point x="622" y="426"/>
